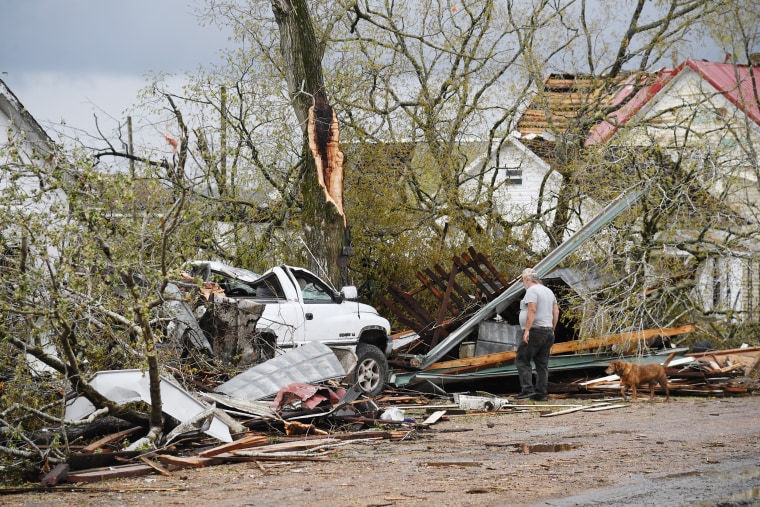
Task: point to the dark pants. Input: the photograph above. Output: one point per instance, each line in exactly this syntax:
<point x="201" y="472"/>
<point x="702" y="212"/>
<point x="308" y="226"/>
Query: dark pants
<point x="537" y="349"/>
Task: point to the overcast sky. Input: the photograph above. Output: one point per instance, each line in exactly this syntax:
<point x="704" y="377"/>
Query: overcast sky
<point x="68" y="59"/>
<point x="65" y="59"/>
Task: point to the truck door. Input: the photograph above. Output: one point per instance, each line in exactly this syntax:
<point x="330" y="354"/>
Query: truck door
<point x="283" y="315"/>
<point x="325" y="319"/>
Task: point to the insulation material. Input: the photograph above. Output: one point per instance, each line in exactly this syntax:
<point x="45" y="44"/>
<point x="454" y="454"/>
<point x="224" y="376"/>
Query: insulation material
<point x="324" y="142"/>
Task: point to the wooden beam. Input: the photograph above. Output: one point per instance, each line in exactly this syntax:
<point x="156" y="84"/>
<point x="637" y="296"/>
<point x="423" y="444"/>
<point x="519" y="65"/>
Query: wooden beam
<point x="463" y="296"/>
<point x="489" y="360"/>
<point x="156" y="466"/>
<point x="241" y="443"/>
<point x="475" y="265"/>
<point x="188" y="461"/>
<point x="94" y="446"/>
<point x="433" y="418"/>
<point x="58" y="474"/>
<point x="101" y="474"/>
<point x="444" y="307"/>
<point x="484" y="260"/>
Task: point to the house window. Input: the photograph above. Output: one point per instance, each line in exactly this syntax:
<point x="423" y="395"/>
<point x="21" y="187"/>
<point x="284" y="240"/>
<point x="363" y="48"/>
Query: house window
<point x="513" y="174"/>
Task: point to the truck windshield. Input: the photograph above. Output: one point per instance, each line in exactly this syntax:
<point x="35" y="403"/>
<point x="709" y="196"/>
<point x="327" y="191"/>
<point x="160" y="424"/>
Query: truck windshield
<point x="313" y="289"/>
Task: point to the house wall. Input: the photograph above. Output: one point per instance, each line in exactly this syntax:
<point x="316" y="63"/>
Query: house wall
<point x="729" y="287"/>
<point x="723" y="143"/>
<point x="516" y="174"/>
<point x="689" y="111"/>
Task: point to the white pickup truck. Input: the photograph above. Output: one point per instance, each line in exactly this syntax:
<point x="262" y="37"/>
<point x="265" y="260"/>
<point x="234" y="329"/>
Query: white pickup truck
<point x="300" y="307"/>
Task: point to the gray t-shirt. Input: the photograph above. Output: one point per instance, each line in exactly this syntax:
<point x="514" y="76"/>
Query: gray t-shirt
<point x="545" y="301"/>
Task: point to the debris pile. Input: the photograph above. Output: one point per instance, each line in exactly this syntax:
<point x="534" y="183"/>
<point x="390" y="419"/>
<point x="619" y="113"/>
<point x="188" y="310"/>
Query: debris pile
<point x="311" y="419"/>
<point x="713" y="373"/>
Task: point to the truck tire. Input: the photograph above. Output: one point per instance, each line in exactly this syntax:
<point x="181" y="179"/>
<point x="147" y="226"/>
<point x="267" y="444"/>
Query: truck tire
<point x="371" y="371"/>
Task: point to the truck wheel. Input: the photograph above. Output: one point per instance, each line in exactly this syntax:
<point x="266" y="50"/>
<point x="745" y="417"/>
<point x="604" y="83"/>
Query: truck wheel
<point x="371" y="370"/>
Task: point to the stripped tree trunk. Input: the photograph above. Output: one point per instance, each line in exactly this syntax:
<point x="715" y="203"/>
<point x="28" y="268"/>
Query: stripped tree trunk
<point x="323" y="221"/>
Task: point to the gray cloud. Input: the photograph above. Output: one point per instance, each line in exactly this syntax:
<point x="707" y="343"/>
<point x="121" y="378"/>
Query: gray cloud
<point x="120" y="36"/>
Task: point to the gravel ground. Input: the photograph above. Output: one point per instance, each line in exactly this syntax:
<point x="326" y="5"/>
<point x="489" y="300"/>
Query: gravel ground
<point x="689" y="451"/>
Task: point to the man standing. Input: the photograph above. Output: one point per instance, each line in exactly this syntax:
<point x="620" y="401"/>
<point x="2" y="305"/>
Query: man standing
<point x="539" y="314"/>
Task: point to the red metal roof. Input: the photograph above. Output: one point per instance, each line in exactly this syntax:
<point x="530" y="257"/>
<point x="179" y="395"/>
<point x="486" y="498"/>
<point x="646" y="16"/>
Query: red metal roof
<point x="740" y="84"/>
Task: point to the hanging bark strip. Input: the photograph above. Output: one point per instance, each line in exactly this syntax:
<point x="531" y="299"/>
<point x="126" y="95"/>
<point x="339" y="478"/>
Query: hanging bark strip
<point x="324" y="142"/>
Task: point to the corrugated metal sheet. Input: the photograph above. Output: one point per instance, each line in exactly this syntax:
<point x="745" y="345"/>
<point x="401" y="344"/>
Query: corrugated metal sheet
<point x="312" y="362"/>
<point x="581" y="281"/>
<point x="124" y="386"/>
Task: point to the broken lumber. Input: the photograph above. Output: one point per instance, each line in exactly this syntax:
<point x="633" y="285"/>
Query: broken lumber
<point x="241" y="443"/>
<point x="114" y="472"/>
<point x="573" y="409"/>
<point x="433" y="418"/>
<point x="490" y="360"/>
<point x="156" y="466"/>
<point x="58" y="474"/>
<point x="608" y="407"/>
<point x="94" y="446"/>
<point x="188" y="461"/>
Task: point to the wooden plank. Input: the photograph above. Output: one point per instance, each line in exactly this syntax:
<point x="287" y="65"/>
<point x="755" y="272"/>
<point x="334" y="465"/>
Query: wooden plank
<point x="603" y="341"/>
<point x="487" y="263"/>
<point x="402" y="317"/>
<point x="156" y="466"/>
<point x="466" y="269"/>
<point x="608" y="407"/>
<point x="102" y="474"/>
<point x="297" y="445"/>
<point x="88" y="460"/>
<point x="571" y="410"/>
<point x="57" y="475"/>
<point x="442" y="311"/>
<point x="188" y="461"/>
<point x="364" y="435"/>
<point x="241" y="443"/>
<point x="489" y="360"/>
<point x="94" y="446"/>
<point x="463" y="295"/>
<point x="440" y="285"/>
<point x="451" y="464"/>
<point x="475" y="265"/>
<point x="724" y="352"/>
<point x="433" y="418"/>
<point x="474" y="363"/>
<point x="429" y="285"/>
<point x="418" y="314"/>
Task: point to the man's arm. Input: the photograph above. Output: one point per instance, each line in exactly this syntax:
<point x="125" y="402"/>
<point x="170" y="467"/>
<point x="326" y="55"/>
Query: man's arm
<point x="529" y="320"/>
<point x="555" y="316"/>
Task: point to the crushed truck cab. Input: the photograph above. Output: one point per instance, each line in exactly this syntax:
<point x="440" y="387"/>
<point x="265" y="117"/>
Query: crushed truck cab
<point x="299" y="307"/>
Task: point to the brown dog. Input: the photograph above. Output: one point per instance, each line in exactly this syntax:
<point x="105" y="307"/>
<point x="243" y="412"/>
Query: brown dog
<point x="632" y="375"/>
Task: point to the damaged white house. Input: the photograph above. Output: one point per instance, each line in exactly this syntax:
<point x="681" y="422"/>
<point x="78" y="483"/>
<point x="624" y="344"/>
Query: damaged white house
<point x="706" y="113"/>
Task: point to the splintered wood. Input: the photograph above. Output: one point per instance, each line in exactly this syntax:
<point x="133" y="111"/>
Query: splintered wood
<point x="324" y="142"/>
<point x="248" y="448"/>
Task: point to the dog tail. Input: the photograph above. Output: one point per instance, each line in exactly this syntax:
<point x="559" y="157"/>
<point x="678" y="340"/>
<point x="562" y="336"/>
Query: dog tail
<point x="668" y="359"/>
